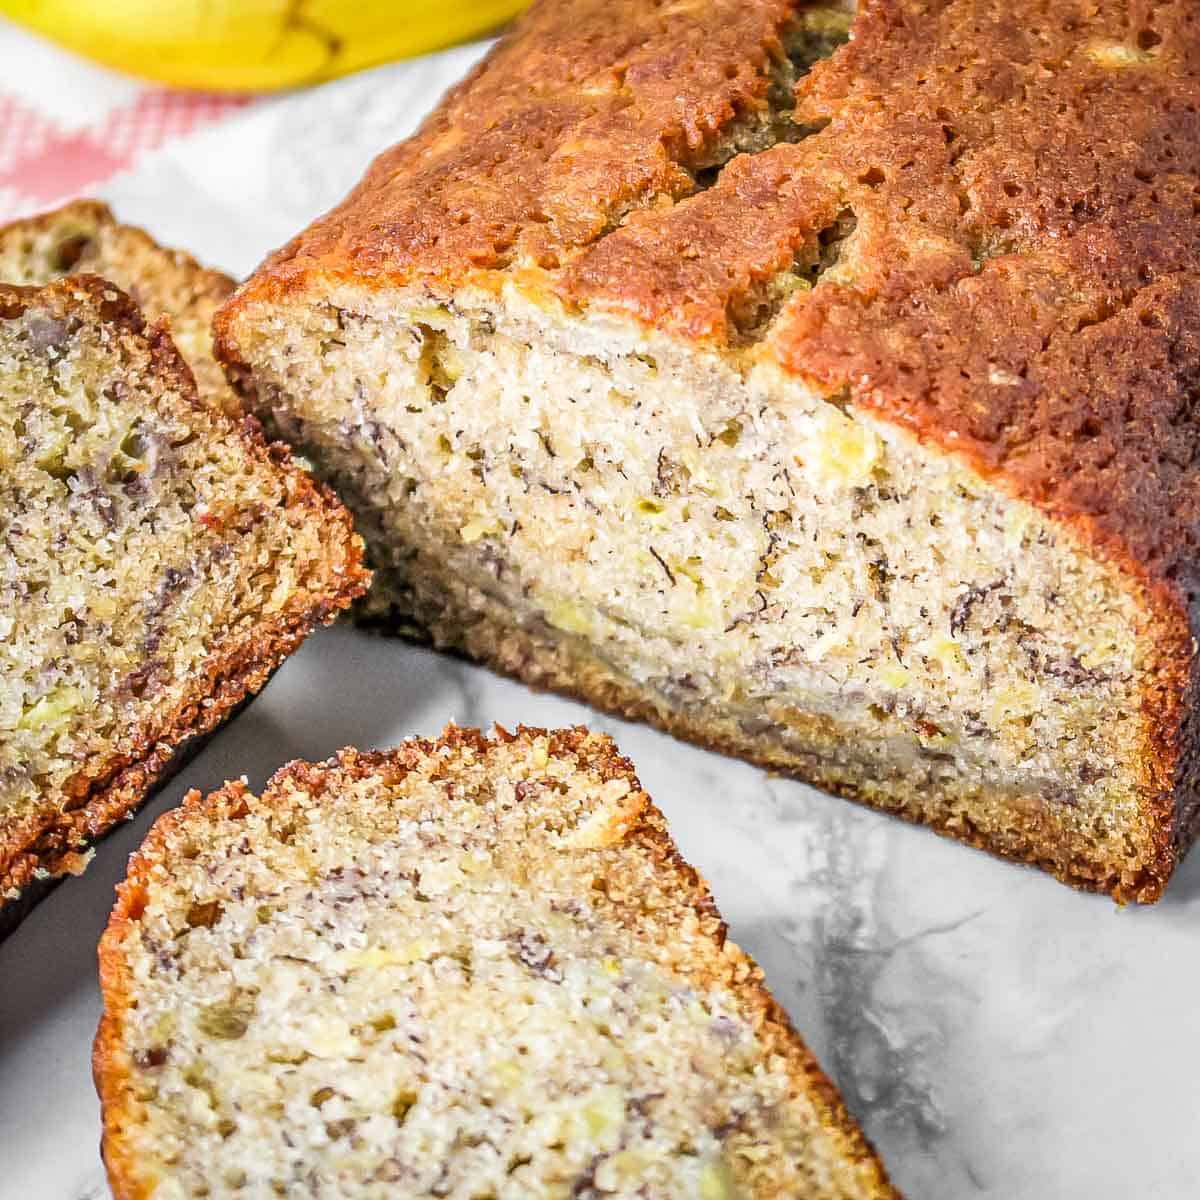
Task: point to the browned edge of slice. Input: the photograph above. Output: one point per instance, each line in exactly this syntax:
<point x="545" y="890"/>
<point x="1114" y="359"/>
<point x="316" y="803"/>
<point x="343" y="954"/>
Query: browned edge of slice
<point x="643" y="828"/>
<point x="105" y="792"/>
<point x="93" y="215"/>
<point x="13" y="913"/>
<point x="206" y="287"/>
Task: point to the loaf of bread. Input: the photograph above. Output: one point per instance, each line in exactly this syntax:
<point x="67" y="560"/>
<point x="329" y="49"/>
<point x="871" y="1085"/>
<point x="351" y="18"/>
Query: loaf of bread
<point x="160" y="560"/>
<point x="83" y="237"/>
<point x="820" y="387"/>
<point x="467" y="968"/>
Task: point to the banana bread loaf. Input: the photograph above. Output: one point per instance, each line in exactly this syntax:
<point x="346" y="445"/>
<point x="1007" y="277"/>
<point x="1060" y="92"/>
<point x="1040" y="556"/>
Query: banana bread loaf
<point x="819" y="386"/>
<point x="83" y="237"/>
<point x="462" y="968"/>
<point x="160" y="560"/>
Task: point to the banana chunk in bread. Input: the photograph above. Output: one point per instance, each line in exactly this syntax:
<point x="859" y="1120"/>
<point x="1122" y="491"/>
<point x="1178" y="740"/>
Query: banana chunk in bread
<point x="818" y="386"/>
<point x="83" y="237"/>
<point x="465" y="968"/>
<point x="160" y="560"/>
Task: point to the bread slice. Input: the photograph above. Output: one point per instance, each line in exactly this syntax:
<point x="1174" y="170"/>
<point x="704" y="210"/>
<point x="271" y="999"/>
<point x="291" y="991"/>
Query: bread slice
<point x="837" y="412"/>
<point x="471" y="967"/>
<point x="160" y="560"/>
<point x="83" y="237"/>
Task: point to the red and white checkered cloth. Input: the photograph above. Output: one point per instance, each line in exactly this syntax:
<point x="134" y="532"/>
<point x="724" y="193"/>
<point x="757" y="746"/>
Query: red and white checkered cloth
<point x="227" y="177"/>
<point x="67" y="127"/>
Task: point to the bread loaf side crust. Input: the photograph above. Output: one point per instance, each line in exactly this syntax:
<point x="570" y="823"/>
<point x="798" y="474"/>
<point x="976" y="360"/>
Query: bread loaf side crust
<point x="513" y="652"/>
<point x="105" y="792"/>
<point x="1019" y="290"/>
<point x="647" y="831"/>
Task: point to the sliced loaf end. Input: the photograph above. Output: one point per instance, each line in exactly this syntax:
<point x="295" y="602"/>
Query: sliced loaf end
<point x="83" y="237"/>
<point x="470" y="967"/>
<point x="162" y="561"/>
<point x="737" y="382"/>
<point x="709" y="543"/>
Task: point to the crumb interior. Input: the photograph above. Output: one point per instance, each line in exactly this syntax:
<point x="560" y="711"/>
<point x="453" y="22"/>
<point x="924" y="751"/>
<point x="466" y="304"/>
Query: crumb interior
<point x="141" y="537"/>
<point x="451" y="976"/>
<point x="747" y="554"/>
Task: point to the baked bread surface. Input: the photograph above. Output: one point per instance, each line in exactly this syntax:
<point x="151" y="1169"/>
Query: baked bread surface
<point x="160" y="561"/>
<point x="83" y="237"/>
<point x="959" y="251"/>
<point x="460" y="968"/>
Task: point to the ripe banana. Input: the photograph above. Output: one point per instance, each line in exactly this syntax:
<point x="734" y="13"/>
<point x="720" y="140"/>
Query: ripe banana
<point x="255" y="45"/>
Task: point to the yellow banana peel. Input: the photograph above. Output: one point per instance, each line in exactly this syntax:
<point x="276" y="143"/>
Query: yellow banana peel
<point x="255" y="45"/>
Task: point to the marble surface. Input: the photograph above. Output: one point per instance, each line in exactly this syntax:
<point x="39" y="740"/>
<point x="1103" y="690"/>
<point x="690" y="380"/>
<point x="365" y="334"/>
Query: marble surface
<point x="996" y="1033"/>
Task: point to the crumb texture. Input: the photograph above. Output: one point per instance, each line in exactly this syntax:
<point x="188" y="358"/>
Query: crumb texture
<point x="158" y="561"/>
<point x="769" y="571"/>
<point x="463" y="969"/>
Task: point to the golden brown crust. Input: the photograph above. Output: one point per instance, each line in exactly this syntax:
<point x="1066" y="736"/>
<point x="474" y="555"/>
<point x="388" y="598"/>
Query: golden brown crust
<point x="102" y="793"/>
<point x="644" y="827"/>
<point x="588" y="110"/>
<point x="1021" y="289"/>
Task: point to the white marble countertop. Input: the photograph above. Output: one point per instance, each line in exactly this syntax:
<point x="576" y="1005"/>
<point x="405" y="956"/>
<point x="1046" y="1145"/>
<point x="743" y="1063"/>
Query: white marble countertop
<point x="996" y="1033"/>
